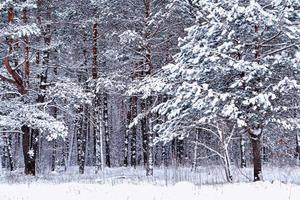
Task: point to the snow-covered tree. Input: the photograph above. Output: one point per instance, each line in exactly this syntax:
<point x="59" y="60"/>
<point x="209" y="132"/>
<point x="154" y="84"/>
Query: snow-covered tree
<point x="238" y="63"/>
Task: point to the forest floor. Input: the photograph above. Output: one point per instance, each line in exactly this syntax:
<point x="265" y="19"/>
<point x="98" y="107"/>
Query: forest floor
<point x="281" y="183"/>
<point x="180" y="191"/>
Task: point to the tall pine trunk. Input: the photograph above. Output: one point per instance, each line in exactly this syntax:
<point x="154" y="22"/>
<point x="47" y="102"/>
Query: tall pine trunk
<point x="133" y="133"/>
<point x="298" y="147"/>
<point x="255" y="137"/>
<point x="195" y="156"/>
<point x="106" y="130"/>
<point x="81" y="140"/>
<point x="127" y="133"/>
<point x="242" y="152"/>
<point x="98" y="131"/>
<point x="8" y="151"/>
<point x="144" y="131"/>
<point x="30" y="147"/>
<point x="150" y="135"/>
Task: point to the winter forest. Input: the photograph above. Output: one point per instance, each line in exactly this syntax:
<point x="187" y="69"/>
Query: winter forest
<point x="165" y="92"/>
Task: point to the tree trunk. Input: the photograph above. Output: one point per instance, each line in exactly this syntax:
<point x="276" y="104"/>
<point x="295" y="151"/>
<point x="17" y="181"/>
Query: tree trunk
<point x="298" y="147"/>
<point x="194" y="165"/>
<point x="150" y="134"/>
<point x="225" y="156"/>
<point x="8" y="151"/>
<point x="144" y="132"/>
<point x="242" y="151"/>
<point x="133" y="132"/>
<point x="180" y="151"/>
<point x="80" y="140"/>
<point x="164" y="155"/>
<point x="227" y="166"/>
<point x="255" y="136"/>
<point x="54" y="146"/>
<point x="29" y="150"/>
<point x="53" y="155"/>
<point x="95" y="51"/>
<point x="98" y="131"/>
<point x="127" y="133"/>
<point x="106" y="130"/>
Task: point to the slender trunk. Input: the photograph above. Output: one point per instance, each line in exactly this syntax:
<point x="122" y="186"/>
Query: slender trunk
<point x="164" y="155"/>
<point x="133" y="132"/>
<point x="53" y="155"/>
<point x="127" y="133"/>
<point x="227" y="165"/>
<point x="54" y="146"/>
<point x="298" y="146"/>
<point x="8" y="151"/>
<point x="87" y="130"/>
<point x="149" y="170"/>
<point x="81" y="140"/>
<point x="38" y="14"/>
<point x="243" y="155"/>
<point x="255" y="136"/>
<point x="39" y="142"/>
<point x="173" y="152"/>
<point x="150" y="134"/>
<point x="144" y="132"/>
<point x="98" y="120"/>
<point x="150" y="137"/>
<point x="194" y="165"/>
<point x="106" y="130"/>
<point x="65" y="153"/>
<point x="26" y="53"/>
<point x="180" y="150"/>
<point x="95" y="51"/>
<point x="98" y="131"/>
<point x="225" y="156"/>
<point x="147" y="35"/>
<point x="70" y="146"/>
<point x="1" y="169"/>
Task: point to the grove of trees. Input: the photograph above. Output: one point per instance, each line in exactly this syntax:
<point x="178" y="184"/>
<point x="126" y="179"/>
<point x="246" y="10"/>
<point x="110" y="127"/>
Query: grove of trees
<point x="152" y="83"/>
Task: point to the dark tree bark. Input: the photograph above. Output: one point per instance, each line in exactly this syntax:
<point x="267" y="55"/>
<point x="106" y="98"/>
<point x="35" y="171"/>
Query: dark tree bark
<point x="255" y="137"/>
<point x="98" y="135"/>
<point x="195" y="157"/>
<point x="8" y="151"/>
<point x="54" y="145"/>
<point x="298" y="146"/>
<point x="81" y="140"/>
<point x="133" y="132"/>
<point x="29" y="143"/>
<point x="54" y="142"/>
<point x="26" y="52"/>
<point x="180" y="151"/>
<point x="106" y="130"/>
<point x="30" y="147"/>
<point x="95" y="51"/>
<point x="81" y="125"/>
<point x="127" y="133"/>
<point x="144" y="132"/>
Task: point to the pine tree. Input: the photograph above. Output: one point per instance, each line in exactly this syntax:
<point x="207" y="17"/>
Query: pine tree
<point x="237" y="65"/>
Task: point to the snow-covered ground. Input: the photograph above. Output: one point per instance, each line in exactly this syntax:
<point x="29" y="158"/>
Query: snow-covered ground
<point x="209" y="175"/>
<point x="207" y="183"/>
<point x="180" y="191"/>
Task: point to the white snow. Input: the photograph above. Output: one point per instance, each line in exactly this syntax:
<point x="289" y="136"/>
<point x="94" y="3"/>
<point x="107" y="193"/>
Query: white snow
<point x="181" y="190"/>
<point x="206" y="183"/>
